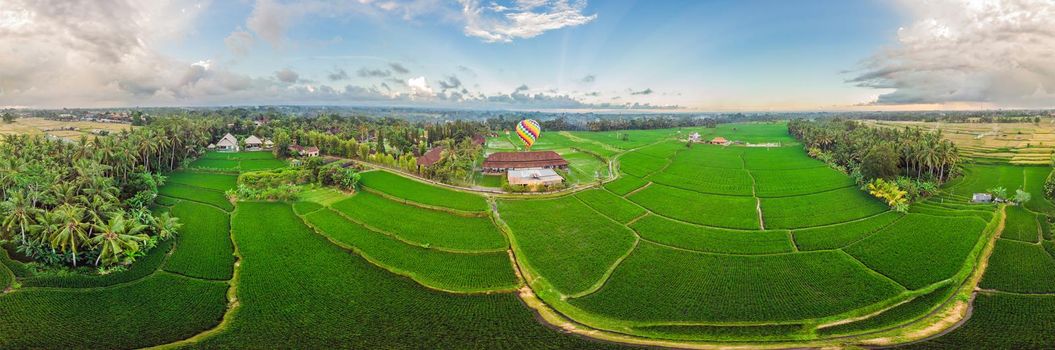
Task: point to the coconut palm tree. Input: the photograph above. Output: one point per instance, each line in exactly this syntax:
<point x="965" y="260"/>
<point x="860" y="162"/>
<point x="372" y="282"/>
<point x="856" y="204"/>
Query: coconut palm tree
<point x="117" y="236"/>
<point x="18" y="212"/>
<point x="70" y="234"/>
<point x="166" y="226"/>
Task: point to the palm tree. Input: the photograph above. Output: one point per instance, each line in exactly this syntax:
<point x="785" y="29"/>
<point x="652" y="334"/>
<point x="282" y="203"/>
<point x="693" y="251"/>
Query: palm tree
<point x="18" y="213"/>
<point x="117" y="236"/>
<point x="70" y="234"/>
<point x="166" y="226"/>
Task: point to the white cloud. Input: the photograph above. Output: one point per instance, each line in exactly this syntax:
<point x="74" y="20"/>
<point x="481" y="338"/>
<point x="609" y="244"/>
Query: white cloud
<point x="526" y="19"/>
<point x="420" y="87"/>
<point x="287" y="76"/>
<point x="239" y="42"/>
<point x="999" y="52"/>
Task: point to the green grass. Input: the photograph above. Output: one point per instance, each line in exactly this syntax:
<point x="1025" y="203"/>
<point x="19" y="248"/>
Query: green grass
<point x="197" y="194"/>
<point x="841" y="235"/>
<point x="1035" y="177"/>
<point x="204" y="249"/>
<point x="819" y="209"/>
<point x="236" y="162"/>
<point x="1021" y="225"/>
<point x="215" y="164"/>
<point x="430" y="228"/>
<point x="780" y="158"/>
<point x="613" y="206"/>
<point x="661" y="284"/>
<point x="634" y="138"/>
<point x="736" y="182"/>
<point x="239" y="155"/>
<point x="324" y="196"/>
<point x="261" y="164"/>
<point x="919" y="250"/>
<point x="735" y="212"/>
<point x="1002" y="321"/>
<point x="625" y="184"/>
<point x="142" y="267"/>
<point x="217" y="182"/>
<point x="705" y="239"/>
<point x="570" y="245"/>
<point x="729" y="333"/>
<point x="981" y="178"/>
<point x="415" y="191"/>
<point x="898" y="315"/>
<point x="304" y="207"/>
<point x="354" y="304"/>
<point x="640" y="164"/>
<point x="493" y="181"/>
<point x="436" y="269"/>
<point x="156" y="310"/>
<point x="1020" y="267"/>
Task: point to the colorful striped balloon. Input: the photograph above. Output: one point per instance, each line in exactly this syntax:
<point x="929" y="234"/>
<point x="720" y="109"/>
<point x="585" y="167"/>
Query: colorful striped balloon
<point x="529" y="131"/>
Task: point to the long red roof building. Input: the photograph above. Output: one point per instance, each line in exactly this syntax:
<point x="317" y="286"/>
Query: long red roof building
<point x="500" y="162"/>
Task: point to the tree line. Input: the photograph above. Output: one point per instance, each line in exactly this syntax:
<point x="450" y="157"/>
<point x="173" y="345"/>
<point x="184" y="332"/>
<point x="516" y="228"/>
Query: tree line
<point x="86" y="202"/>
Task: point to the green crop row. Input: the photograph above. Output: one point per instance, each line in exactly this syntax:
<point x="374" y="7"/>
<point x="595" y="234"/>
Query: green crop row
<point x="197" y="194"/>
<point x="820" y="208"/>
<point x="920" y="250"/>
<point x="706" y="239"/>
<point x="1020" y="267"/>
<point x="401" y="187"/>
<point x="238" y="155"/>
<point x="737" y="212"/>
<point x="657" y="284"/>
<point x="640" y="164"/>
<point x="569" y="244"/>
<point x="156" y="310"/>
<point x="625" y="184"/>
<point x="1021" y="225"/>
<point x="297" y="290"/>
<point x="212" y="181"/>
<point x="1002" y="321"/>
<point x="841" y="235"/>
<point x="615" y="207"/>
<point x="436" y="269"/>
<point x="204" y="249"/>
<point x="779" y="158"/>
<point x="898" y="315"/>
<point x="426" y="227"/>
<point x="797" y="182"/>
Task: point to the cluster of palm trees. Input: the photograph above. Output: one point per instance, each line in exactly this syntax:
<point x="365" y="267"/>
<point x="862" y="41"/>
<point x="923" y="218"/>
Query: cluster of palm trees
<point x="86" y="202"/>
<point x="922" y="155"/>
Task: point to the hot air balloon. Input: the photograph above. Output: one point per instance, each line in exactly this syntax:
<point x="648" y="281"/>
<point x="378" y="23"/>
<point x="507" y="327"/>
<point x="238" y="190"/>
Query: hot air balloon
<point x="529" y="131"/>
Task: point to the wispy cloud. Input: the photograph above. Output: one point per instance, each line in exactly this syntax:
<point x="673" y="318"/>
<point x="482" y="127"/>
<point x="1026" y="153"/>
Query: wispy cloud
<point x="647" y="91"/>
<point x="525" y="19"/>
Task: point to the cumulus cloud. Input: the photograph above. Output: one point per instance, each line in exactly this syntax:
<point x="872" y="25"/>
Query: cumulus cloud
<point x="1000" y="52"/>
<point x="451" y="82"/>
<point x="420" y="87"/>
<point x="523" y="19"/>
<point x="287" y="76"/>
<point x="647" y="91"/>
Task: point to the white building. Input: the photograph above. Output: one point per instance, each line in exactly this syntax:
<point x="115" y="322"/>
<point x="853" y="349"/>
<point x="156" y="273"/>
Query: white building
<point x="534" y="177"/>
<point x="253" y="143"/>
<point x="228" y="143"/>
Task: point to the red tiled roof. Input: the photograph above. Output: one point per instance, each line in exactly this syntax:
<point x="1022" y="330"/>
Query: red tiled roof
<point x="503" y="160"/>
<point x="479" y="140"/>
<point x="430" y="157"/>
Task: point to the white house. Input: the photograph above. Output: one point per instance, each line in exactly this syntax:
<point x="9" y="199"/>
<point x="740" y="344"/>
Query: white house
<point x="252" y="142"/>
<point x="534" y="177"/>
<point x="227" y="143"/>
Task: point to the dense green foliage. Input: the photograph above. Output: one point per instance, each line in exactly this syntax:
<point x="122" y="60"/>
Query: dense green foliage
<point x="141" y="268"/>
<point x="736" y="212"/>
<point x="919" y="250"/>
<point x="204" y="249"/>
<point x="569" y="244"/>
<point x="354" y="304"/>
<point x="1020" y="267"/>
<point x="401" y="187"/>
<point x="432" y="268"/>
<point x="425" y="227"/>
<point x="727" y="288"/>
<point x="840" y="235"/>
<point x="706" y="239"/>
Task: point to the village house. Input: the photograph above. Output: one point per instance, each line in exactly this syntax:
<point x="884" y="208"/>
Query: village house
<point x="430" y="158"/>
<point x="310" y="151"/>
<point x="982" y="198"/>
<point x="253" y="143"/>
<point x="500" y="162"/>
<point x="719" y="141"/>
<point x="695" y="137"/>
<point x="268" y="144"/>
<point x="227" y="143"/>
<point x="534" y="177"/>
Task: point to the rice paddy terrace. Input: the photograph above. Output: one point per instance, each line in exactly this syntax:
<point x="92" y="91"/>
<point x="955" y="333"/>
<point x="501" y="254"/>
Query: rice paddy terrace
<point x="697" y="247"/>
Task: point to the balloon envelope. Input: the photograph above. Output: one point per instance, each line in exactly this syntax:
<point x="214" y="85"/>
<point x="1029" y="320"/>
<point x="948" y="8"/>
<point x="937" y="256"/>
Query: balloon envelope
<point x="529" y="131"/>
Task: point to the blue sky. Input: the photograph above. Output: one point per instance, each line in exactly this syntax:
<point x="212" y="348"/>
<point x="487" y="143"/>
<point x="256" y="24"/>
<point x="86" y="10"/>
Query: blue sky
<point x="536" y="54"/>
